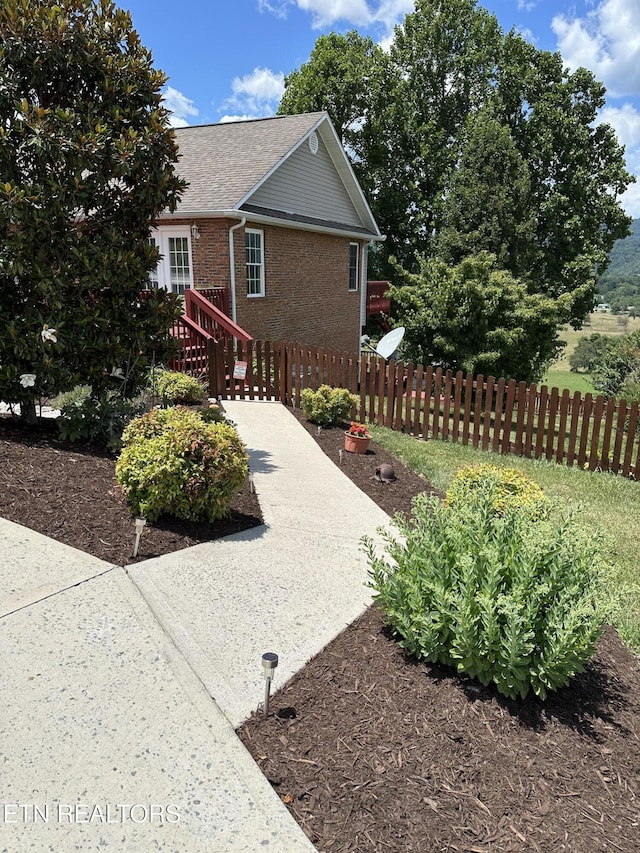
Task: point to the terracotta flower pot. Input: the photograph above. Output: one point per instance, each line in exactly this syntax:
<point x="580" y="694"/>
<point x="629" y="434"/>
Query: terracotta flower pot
<point x="356" y="443"/>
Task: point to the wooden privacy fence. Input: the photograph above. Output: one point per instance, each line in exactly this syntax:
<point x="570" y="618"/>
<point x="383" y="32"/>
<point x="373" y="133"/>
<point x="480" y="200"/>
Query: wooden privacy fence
<point x="427" y="402"/>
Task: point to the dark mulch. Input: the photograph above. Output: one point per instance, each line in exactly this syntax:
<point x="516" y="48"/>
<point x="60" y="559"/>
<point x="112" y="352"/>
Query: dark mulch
<point x="68" y="492"/>
<point x="372" y="751"/>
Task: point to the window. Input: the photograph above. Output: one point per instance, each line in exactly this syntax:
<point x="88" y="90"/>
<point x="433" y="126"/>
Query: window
<point x="255" y="262"/>
<point x="354" y="252"/>
<point x="175" y="269"/>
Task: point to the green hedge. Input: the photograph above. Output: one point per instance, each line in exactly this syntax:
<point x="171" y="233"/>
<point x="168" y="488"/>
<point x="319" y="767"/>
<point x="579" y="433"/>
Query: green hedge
<point x="175" y="463"/>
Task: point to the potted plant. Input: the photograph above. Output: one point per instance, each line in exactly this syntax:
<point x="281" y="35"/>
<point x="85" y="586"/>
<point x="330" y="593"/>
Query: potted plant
<point x="357" y="438"/>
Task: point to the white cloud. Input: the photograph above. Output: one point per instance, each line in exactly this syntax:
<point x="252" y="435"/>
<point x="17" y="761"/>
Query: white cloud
<point x="625" y="121"/>
<point x="228" y="118"/>
<point x="357" y="12"/>
<point x="179" y="105"/>
<point x="607" y="41"/>
<point x="256" y="94"/>
<point x="527" y="5"/>
<point x="630" y="201"/>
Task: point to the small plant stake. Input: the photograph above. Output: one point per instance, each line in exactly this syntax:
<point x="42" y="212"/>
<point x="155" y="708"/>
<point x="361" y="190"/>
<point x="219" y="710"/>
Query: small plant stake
<point x="140" y="523"/>
<point x="269" y="663"/>
<point x="319" y="430"/>
<point x="340" y="452"/>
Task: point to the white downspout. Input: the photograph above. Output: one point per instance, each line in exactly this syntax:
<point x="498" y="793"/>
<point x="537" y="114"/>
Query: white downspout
<point x="364" y="255"/>
<point x="232" y="265"/>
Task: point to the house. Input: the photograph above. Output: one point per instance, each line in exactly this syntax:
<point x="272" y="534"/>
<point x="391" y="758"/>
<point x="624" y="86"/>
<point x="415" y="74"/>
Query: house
<point x="273" y="228"/>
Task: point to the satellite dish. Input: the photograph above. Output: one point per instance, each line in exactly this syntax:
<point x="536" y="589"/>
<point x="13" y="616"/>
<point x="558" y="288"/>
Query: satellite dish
<point x="390" y="343"/>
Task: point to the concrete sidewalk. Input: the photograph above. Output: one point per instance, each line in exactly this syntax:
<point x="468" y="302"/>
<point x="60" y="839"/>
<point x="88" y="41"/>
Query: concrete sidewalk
<point x="288" y="587"/>
<point x="108" y="674"/>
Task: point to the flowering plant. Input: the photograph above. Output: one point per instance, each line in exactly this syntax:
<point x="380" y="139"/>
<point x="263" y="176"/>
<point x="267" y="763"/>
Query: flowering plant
<point x="359" y="430"/>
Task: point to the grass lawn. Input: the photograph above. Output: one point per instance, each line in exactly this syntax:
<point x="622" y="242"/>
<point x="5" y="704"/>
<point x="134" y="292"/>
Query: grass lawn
<point x="609" y="504"/>
<point x="560" y="375"/>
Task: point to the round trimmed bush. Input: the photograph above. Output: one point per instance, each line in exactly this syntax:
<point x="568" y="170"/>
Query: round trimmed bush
<point x="174" y="463"/>
<point x="508" y="488"/>
<point x="327" y="406"/>
<point x="175" y="387"/>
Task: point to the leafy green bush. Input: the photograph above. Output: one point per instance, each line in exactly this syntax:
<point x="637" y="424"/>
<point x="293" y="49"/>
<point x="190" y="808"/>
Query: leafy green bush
<point x="174" y="463"/>
<point x="327" y="406"/>
<point x="500" y="596"/>
<point x="177" y="387"/>
<point x="75" y="398"/>
<point x="510" y="488"/>
<point x="99" y="419"/>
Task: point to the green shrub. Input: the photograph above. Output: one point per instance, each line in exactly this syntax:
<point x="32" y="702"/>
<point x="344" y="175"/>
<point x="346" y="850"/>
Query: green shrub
<point x="502" y="597"/>
<point x="327" y="406"/>
<point x="175" y="463"/>
<point x="98" y="419"/>
<point x="510" y="489"/>
<point x="177" y="387"/>
<point x="75" y="398"/>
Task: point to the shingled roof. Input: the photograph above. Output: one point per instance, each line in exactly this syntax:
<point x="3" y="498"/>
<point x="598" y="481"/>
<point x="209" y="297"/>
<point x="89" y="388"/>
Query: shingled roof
<point x="224" y="163"/>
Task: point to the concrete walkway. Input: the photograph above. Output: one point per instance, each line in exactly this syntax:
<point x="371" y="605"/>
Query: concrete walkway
<point x="122" y="687"/>
<point x="287" y="587"/>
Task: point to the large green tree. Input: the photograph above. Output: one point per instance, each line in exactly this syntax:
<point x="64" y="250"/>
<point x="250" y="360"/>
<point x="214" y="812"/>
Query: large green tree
<point x="86" y="164"/>
<point x="475" y="140"/>
<point x="479" y="318"/>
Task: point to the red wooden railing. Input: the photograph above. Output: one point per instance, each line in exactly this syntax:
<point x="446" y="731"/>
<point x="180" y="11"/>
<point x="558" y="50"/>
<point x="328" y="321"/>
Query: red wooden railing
<point x="377" y="301"/>
<point x="218" y="296"/>
<point x="194" y="347"/>
<point x="211" y="319"/>
<point x="203" y="324"/>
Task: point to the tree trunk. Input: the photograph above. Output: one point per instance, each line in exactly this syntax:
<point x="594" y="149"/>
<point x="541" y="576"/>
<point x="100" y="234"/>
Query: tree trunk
<point x="28" y="413"/>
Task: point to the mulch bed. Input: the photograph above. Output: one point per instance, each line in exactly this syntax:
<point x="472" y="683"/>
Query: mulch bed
<point x="372" y="751"/>
<point x="68" y="491"/>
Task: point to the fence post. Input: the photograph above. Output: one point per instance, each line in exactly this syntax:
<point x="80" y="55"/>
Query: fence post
<point x="212" y="359"/>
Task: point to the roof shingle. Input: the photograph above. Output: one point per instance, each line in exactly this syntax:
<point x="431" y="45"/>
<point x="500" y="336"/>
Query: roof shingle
<point x="223" y="162"/>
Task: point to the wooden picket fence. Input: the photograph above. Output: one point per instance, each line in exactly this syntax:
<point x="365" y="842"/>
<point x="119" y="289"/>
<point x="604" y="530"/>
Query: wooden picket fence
<point x="429" y="403"/>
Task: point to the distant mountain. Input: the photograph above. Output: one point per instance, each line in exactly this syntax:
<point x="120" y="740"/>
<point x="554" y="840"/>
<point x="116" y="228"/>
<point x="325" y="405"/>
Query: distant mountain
<point x="625" y="255"/>
<point x="620" y="284"/>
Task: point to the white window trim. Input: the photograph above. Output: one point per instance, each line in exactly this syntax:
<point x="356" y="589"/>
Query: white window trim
<point x="259" y="231"/>
<point x="161" y="236"/>
<point x="358" y="265"/>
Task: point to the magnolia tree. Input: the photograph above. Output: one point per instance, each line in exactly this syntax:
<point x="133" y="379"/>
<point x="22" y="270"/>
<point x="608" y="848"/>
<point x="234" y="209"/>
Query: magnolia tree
<point x="86" y="164"/>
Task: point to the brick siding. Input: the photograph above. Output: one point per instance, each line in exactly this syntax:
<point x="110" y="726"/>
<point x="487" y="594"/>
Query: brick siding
<point x="307" y="297"/>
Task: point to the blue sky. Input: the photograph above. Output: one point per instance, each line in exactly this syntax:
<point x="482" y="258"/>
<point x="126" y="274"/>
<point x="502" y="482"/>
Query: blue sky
<point x="227" y="59"/>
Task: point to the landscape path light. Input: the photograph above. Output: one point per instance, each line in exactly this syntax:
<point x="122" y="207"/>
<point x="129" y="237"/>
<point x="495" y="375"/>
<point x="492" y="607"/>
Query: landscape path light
<point x="269" y="663"/>
<point x="140" y="523"/>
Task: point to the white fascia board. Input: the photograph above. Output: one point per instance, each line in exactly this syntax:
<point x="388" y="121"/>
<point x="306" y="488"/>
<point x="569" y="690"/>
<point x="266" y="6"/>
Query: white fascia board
<point x="272" y="220"/>
<point x="345" y="170"/>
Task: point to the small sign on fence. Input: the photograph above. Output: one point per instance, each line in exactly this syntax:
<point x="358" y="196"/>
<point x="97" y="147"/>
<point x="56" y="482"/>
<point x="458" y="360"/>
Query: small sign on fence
<point x="240" y="370"/>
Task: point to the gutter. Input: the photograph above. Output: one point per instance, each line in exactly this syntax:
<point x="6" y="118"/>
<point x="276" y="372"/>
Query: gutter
<point x="270" y="220"/>
<point x="232" y="265"/>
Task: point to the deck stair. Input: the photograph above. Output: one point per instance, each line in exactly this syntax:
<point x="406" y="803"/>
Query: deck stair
<point x="203" y="322"/>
